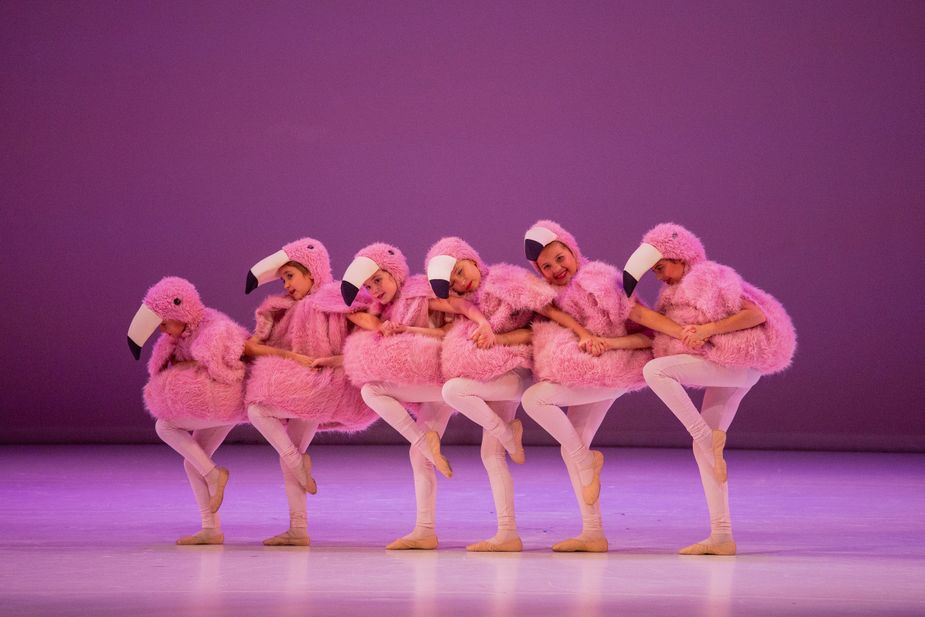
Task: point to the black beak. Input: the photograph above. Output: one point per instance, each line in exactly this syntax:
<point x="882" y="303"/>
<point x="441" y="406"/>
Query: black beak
<point x="135" y="348"/>
<point x="349" y="292"/>
<point x="441" y="288"/>
<point x="629" y="283"/>
<point x="251" y="283"/>
<point x="533" y="249"/>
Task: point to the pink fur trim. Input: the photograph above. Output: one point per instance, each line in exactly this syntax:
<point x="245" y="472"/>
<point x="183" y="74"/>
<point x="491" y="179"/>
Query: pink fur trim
<point x="458" y="248"/>
<point x="175" y="298"/>
<point x="312" y="254"/>
<point x="563" y="236"/>
<point x="388" y="258"/>
<point x="461" y="358"/>
<point x="401" y="358"/>
<point x="557" y="358"/>
<point x="595" y="298"/>
<point x="271" y="322"/>
<point x="509" y="295"/>
<point x="675" y="242"/>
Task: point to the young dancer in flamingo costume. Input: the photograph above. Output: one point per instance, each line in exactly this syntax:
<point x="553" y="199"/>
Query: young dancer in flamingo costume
<point x="297" y="385"/>
<point x="740" y="333"/>
<point x="397" y="365"/>
<point x="196" y="387"/>
<point x="487" y="375"/>
<point x="585" y="373"/>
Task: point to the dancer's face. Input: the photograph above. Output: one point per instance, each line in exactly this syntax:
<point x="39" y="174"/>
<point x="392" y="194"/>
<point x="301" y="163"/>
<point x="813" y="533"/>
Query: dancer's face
<point x="557" y="263"/>
<point x="466" y="277"/>
<point x="381" y="286"/>
<point x="669" y="271"/>
<point x="297" y="283"/>
<point x="173" y="327"/>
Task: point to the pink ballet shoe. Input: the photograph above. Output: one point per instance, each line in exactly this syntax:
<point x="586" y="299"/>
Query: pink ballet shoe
<point x="203" y="536"/>
<point x="216" y="498"/>
<point x="708" y="548"/>
<point x="290" y="537"/>
<point x="592" y="492"/>
<point x="310" y="487"/>
<point x="514" y="545"/>
<point x="518" y="455"/>
<point x="440" y="461"/>
<point x="427" y="543"/>
<point x="719" y="463"/>
<point x="582" y="545"/>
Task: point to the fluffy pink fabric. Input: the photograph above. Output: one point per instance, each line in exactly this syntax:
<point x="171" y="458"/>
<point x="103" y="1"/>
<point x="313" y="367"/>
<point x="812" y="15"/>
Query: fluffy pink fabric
<point x="675" y="242"/>
<point x="508" y="297"/>
<point x="212" y="388"/>
<point x="458" y="248"/>
<point x="313" y="255"/>
<point x="317" y="327"/>
<point x="563" y="236"/>
<point x="388" y="258"/>
<point x="175" y="298"/>
<point x="595" y="298"/>
<point x="710" y="292"/>
<point x="401" y="358"/>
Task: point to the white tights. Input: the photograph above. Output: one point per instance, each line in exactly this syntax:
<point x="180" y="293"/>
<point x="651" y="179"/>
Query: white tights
<point x="196" y="440"/>
<point x="725" y="388"/>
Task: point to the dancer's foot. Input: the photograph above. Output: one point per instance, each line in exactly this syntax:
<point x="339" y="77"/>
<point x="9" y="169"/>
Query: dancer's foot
<point x="310" y="486"/>
<point x="203" y="536"/>
<point x="290" y="537"/>
<point x="582" y="544"/>
<point x="216" y="480"/>
<point x="500" y="543"/>
<point x="420" y="539"/>
<point x="440" y="462"/>
<point x="710" y="546"/>
<point x="592" y="492"/>
<point x="719" y="463"/>
<point x="517" y="454"/>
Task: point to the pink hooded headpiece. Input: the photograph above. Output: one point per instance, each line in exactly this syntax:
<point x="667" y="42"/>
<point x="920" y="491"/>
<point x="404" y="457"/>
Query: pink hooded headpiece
<point x="664" y="241"/>
<point x="543" y="233"/>
<point x="366" y="262"/>
<point x="309" y="252"/>
<point x="170" y="298"/>
<point x="442" y="258"/>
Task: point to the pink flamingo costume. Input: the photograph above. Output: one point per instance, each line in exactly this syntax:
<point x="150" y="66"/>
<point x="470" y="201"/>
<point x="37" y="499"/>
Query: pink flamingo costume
<point x="399" y="371"/>
<point x="728" y="365"/>
<point x="282" y="390"/>
<point x="570" y="377"/>
<point x="485" y="385"/>
<point x="196" y="386"/>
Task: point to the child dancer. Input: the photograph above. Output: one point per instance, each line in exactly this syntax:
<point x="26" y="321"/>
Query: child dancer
<point x="742" y="333"/>
<point x="397" y="365"/>
<point x="195" y="386"/>
<point x="585" y="373"/>
<point x="297" y="385"/>
<point x="484" y="382"/>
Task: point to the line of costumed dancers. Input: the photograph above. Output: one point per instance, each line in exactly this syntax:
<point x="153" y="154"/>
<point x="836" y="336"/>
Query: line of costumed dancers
<point x="564" y="339"/>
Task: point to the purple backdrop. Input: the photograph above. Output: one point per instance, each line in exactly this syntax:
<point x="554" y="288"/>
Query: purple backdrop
<point x="151" y="138"/>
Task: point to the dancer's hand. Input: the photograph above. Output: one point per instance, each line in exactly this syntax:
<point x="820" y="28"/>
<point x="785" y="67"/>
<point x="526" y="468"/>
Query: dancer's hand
<point x="483" y="336"/>
<point x="594" y="345"/>
<point x="301" y="359"/>
<point x="695" y="336"/>
<point x="388" y="328"/>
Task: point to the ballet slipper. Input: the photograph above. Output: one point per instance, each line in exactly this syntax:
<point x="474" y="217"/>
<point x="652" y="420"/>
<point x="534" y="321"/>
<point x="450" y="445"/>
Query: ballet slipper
<point x="290" y="537"/>
<point x="709" y="548"/>
<point x="518" y="455"/>
<point x="513" y="545"/>
<point x="582" y="545"/>
<point x="216" y="497"/>
<point x="310" y="487"/>
<point x="592" y="492"/>
<point x="203" y="536"/>
<point x="426" y="543"/>
<point x="719" y="464"/>
<point x="440" y="461"/>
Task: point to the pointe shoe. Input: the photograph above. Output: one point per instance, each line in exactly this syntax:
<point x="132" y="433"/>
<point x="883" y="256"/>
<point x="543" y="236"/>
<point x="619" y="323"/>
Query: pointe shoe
<point x="487" y="546"/>
<point x="705" y="548"/>
<point x="311" y="487"/>
<point x="440" y="461"/>
<point x="216" y="498"/>
<point x="592" y="492"/>
<point x="518" y="455"/>
<point x="203" y="536"/>
<point x="580" y="545"/>
<point x="288" y="538"/>
<point x="719" y="464"/>
<point x="427" y="543"/>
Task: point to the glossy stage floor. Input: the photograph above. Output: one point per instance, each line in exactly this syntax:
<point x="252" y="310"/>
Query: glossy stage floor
<point x="90" y="530"/>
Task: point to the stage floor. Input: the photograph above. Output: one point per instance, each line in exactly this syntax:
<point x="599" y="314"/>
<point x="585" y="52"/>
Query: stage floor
<point x="90" y="530"/>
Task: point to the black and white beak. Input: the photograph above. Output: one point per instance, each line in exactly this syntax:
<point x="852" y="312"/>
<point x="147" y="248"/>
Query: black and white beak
<point x="439" y="271"/>
<point x="535" y="240"/>
<point x="360" y="269"/>
<point x="264" y="270"/>
<point x="143" y="325"/>
<point x="640" y="262"/>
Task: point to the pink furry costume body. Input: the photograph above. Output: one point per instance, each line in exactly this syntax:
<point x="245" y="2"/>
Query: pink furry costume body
<point x="594" y="296"/>
<point x="710" y="292"/>
<point x="315" y="326"/>
<point x="507" y="296"/>
<point x="210" y="389"/>
<point x="406" y="358"/>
